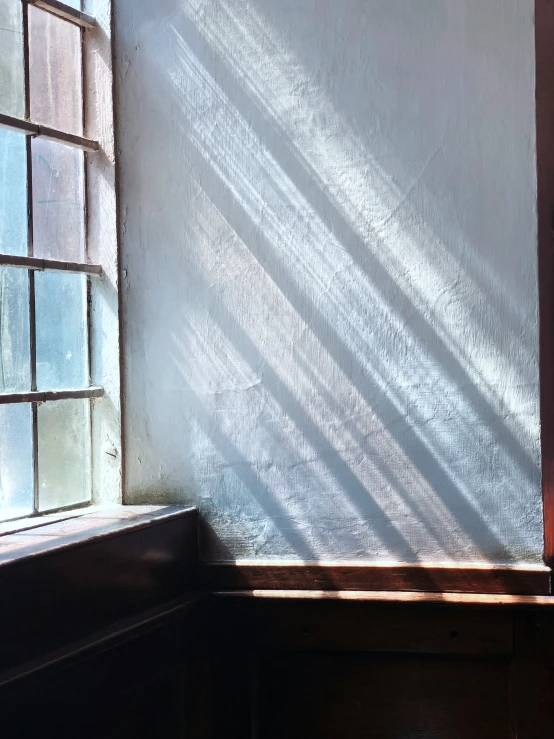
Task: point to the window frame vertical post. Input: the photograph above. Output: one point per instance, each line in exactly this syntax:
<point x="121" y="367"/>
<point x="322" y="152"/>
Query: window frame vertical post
<point x="30" y="253"/>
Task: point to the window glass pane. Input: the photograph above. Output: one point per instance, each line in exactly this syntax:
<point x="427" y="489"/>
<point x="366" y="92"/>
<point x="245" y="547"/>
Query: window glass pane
<point x="12" y="86"/>
<point x="58" y="202"/>
<point x="55" y="71"/>
<point x="74" y="4"/>
<point x="15" y="373"/>
<point x="61" y="321"/>
<point x="63" y="453"/>
<point x="16" y="461"/>
<point x="13" y="189"/>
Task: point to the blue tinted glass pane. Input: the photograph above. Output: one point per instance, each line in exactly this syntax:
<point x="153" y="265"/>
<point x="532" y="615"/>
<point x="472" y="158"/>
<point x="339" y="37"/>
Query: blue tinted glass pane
<point x="74" y="4"/>
<point x="16" y="461"/>
<point x="13" y="193"/>
<point x="58" y="202"/>
<point x="12" y="88"/>
<point x="63" y="453"/>
<point x="62" y="341"/>
<point x="14" y="331"/>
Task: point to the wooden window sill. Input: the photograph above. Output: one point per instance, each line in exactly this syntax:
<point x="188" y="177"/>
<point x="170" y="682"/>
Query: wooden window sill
<point x="61" y="580"/>
<point x="38" y="535"/>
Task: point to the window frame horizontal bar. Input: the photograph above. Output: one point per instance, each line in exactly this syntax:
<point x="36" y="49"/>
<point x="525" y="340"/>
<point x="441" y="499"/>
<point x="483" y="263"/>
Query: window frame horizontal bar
<point x="63" y="513"/>
<point x="46" y="396"/>
<point x="29" y="128"/>
<point x="69" y="139"/>
<point x="50" y="265"/>
<point x="66" y="12"/>
<point x="19" y="125"/>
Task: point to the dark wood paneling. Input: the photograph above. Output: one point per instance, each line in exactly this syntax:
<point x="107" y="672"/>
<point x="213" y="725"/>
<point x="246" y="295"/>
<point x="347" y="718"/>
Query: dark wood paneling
<point x="232" y="659"/>
<point x="232" y="668"/>
<point x="544" y="35"/>
<point x="355" y="627"/>
<point x="132" y="686"/>
<point x="197" y="696"/>
<point x="318" y="668"/>
<point x="532" y="671"/>
<point x="118" y="632"/>
<point x="353" y="696"/>
<point x="359" y="576"/>
<point x="52" y="598"/>
<point x="231" y="690"/>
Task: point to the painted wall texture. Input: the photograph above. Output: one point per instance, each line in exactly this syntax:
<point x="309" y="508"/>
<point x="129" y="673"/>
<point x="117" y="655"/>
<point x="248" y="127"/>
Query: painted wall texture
<point x="330" y="300"/>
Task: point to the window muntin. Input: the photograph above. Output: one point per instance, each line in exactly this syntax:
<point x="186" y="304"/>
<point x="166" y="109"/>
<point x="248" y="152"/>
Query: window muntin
<point x="45" y="387"/>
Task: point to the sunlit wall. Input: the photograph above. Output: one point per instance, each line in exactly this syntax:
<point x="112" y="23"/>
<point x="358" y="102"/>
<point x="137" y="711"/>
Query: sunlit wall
<point x="330" y="299"/>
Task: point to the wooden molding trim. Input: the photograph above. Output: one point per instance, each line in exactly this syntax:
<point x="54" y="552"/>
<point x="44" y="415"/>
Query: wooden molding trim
<point x="476" y="578"/>
<point x="384" y="596"/>
<point x="544" y="50"/>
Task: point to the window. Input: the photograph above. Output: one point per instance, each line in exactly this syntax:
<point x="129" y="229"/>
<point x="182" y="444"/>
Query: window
<point x="57" y="259"/>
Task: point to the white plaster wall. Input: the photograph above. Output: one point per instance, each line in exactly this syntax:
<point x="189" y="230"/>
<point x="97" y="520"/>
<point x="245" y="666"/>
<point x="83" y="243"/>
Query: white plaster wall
<point x="330" y="300"/>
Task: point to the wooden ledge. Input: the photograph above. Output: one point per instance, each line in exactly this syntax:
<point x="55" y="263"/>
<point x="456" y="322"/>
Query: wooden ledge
<point x="248" y="575"/>
<point x="64" y="580"/>
<point x="40" y="535"/>
<point x="387" y="596"/>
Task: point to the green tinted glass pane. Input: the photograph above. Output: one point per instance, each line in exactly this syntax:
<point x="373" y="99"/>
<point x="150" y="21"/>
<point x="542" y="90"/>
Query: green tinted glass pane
<point x="14" y="331"/>
<point x="58" y="202"/>
<point x="16" y="461"/>
<point x="13" y="193"/>
<point x="63" y="453"/>
<point x="62" y="339"/>
<point x="12" y="86"/>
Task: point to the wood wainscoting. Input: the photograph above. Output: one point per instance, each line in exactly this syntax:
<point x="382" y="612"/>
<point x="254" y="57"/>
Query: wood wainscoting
<point x="123" y="636"/>
<point x="304" y="666"/>
<point x="353" y="650"/>
<point x="441" y="578"/>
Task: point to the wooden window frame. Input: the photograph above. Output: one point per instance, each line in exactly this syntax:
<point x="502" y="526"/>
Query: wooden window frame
<point x="544" y="50"/>
<point x="100" y="214"/>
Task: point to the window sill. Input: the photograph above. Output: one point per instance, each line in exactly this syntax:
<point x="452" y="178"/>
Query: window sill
<point x="61" y="580"/>
<point x="37" y="535"/>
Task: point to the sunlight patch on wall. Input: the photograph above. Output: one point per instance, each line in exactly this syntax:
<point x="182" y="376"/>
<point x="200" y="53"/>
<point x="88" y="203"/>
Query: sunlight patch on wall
<point x="353" y="362"/>
<point x="379" y="210"/>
